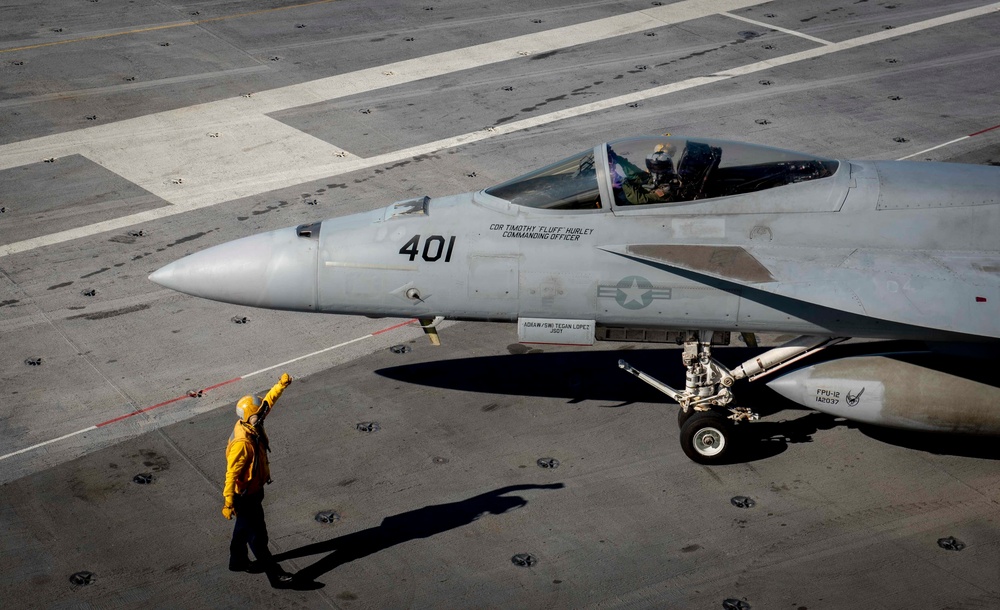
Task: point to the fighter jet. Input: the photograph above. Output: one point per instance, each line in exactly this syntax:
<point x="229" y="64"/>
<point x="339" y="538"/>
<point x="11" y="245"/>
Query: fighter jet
<point x="679" y="239"/>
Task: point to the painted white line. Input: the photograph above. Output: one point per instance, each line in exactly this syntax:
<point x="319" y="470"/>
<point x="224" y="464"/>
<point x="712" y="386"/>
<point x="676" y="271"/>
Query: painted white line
<point x="934" y="148"/>
<point x="771" y="26"/>
<point x="174" y="135"/>
<point x="130" y="87"/>
<point x="244" y="185"/>
<point x="860" y="41"/>
<point x="316" y="353"/>
<point x="88" y="230"/>
<point x="240" y="378"/>
<point x="971" y="135"/>
<point x="48" y="442"/>
<point x="485" y="54"/>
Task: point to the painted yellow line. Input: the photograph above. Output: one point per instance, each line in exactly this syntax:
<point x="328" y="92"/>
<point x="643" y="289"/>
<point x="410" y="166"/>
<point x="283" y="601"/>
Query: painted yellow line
<point x="168" y="26"/>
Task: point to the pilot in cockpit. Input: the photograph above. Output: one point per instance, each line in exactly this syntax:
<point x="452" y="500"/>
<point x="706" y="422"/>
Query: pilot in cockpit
<point x="659" y="184"/>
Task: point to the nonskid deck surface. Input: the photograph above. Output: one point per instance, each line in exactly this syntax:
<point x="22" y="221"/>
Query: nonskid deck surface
<point x="127" y="140"/>
<point x="433" y="506"/>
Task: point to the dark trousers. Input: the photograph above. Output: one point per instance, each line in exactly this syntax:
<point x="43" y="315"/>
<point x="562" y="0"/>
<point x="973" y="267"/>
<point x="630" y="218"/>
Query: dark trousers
<point x="250" y="530"/>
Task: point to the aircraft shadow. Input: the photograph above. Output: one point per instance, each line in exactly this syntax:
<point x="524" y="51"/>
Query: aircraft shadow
<point x="575" y="376"/>
<point x="595" y="376"/>
<point x="765" y="439"/>
<point x="959" y="445"/>
<point x="396" y="529"/>
<point x="580" y="376"/>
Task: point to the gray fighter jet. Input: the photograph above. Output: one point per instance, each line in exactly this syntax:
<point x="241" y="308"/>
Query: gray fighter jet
<point x="680" y="239"/>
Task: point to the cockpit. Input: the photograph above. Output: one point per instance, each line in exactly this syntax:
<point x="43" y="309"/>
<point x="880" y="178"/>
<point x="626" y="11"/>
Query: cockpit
<point x="660" y="170"/>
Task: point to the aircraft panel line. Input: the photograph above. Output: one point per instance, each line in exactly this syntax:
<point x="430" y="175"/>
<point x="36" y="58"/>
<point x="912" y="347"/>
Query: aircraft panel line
<point x="243" y="184"/>
<point x="371" y="266"/>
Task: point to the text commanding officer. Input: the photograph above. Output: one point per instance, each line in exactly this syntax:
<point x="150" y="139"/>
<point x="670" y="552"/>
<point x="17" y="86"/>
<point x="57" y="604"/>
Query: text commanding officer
<point x="247" y="472"/>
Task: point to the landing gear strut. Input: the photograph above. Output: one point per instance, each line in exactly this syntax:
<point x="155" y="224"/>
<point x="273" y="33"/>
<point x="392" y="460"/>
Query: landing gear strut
<point x="706" y="430"/>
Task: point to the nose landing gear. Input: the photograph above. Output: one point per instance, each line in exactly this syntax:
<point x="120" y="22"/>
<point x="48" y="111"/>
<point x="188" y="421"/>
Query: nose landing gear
<point x="706" y="437"/>
<point x="707" y="434"/>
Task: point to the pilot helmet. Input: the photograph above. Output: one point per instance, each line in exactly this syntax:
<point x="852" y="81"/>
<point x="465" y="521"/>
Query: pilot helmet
<point x="248" y="406"/>
<point x="661" y="166"/>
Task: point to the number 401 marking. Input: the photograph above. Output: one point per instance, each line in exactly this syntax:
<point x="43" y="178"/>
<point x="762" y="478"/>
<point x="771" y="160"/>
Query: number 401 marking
<point x="433" y="248"/>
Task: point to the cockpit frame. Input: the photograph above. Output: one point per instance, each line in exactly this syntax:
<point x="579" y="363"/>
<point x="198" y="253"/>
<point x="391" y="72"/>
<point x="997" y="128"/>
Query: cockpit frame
<point x="678" y="173"/>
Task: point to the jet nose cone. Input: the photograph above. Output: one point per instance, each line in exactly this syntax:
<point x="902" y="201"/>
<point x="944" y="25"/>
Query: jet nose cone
<point x="162" y="276"/>
<point x="275" y="270"/>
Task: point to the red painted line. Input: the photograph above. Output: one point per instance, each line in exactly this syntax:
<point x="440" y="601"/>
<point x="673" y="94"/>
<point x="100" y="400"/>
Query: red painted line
<point x="212" y="387"/>
<point x="134" y="413"/>
<point x="385" y="330"/>
<point x="218" y="385"/>
<point x="162" y="404"/>
<point x="984" y="131"/>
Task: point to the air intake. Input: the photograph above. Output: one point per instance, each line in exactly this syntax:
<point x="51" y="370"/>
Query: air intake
<point x="309" y="231"/>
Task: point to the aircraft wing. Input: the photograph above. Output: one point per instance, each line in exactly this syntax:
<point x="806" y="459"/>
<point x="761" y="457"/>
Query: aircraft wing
<point x="953" y="291"/>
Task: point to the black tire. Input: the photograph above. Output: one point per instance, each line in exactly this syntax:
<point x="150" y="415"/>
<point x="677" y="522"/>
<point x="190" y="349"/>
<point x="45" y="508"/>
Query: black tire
<point x="707" y="438"/>
<point x="683" y="417"/>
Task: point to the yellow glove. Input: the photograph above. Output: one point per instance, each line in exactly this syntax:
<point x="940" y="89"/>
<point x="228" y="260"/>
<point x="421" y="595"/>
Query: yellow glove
<point x="228" y="511"/>
<point x="285" y="380"/>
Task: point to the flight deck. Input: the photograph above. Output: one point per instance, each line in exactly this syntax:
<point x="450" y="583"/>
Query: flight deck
<point x="482" y="473"/>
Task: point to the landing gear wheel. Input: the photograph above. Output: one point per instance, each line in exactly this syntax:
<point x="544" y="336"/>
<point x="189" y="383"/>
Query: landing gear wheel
<point x="683" y="417"/>
<point x="707" y="438"/>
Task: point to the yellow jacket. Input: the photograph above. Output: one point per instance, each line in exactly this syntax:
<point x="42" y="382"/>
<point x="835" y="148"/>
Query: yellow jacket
<point x="246" y="455"/>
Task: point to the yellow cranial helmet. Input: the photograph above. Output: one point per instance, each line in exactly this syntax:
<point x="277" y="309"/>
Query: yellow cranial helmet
<point x="668" y="148"/>
<point x="247" y="406"/>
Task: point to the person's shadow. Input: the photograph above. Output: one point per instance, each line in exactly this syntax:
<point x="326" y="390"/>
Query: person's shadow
<point x="420" y="523"/>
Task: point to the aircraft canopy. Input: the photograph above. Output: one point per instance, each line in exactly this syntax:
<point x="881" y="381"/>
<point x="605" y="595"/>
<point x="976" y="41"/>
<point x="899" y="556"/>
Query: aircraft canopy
<point x="658" y="170"/>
